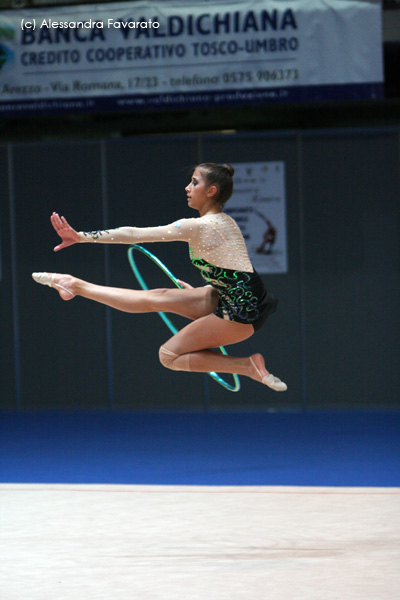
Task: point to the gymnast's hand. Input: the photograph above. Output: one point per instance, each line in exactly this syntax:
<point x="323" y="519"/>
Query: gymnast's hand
<point x="68" y="235"/>
<point x="185" y="285"/>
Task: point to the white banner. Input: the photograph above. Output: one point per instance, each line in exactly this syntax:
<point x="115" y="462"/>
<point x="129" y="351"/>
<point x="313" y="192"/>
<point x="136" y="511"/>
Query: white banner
<point x="181" y="54"/>
<point x="258" y="205"/>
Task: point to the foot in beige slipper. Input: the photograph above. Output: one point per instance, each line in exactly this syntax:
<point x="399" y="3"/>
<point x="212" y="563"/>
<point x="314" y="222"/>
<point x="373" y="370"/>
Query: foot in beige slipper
<point x="47" y="279"/>
<point x="270" y="380"/>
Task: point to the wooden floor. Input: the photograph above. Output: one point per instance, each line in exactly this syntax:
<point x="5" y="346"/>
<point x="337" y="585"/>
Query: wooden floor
<point x="161" y="542"/>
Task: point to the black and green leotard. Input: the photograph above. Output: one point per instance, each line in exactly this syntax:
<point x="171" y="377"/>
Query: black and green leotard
<point x="242" y="296"/>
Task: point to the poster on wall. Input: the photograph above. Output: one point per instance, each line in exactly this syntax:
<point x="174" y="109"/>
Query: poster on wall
<point x="258" y="205"/>
<point x="182" y="54"/>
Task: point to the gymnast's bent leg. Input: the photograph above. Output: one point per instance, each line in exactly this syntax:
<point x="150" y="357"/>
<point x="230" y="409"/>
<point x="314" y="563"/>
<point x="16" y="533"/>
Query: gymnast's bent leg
<point x="189" y="350"/>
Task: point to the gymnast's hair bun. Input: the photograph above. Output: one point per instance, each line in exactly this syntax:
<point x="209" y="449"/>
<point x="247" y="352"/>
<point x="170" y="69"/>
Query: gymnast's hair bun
<point x="229" y="168"/>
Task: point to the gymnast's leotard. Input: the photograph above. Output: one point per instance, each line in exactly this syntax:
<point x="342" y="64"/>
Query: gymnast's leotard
<point x="217" y="248"/>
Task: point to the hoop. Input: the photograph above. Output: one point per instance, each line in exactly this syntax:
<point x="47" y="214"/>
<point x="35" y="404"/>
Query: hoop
<point x="167" y="321"/>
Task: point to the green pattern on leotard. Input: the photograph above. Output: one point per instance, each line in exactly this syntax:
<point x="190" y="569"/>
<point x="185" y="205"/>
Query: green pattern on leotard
<point x="238" y="302"/>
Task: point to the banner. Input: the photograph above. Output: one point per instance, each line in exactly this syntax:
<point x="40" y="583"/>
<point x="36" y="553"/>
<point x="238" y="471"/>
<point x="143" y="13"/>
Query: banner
<point x="183" y="54"/>
<point x="258" y="205"/>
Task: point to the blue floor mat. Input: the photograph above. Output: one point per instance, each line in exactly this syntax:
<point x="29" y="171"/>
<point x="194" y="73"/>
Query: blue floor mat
<point x="312" y="449"/>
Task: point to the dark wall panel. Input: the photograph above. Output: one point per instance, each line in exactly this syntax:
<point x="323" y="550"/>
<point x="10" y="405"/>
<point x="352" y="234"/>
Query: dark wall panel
<point x="62" y="343"/>
<point x="146" y="181"/>
<point x="7" y="347"/>
<point x="334" y="338"/>
<point x="351" y="190"/>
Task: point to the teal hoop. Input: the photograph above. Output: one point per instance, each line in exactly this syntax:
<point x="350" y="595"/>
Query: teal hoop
<point x="167" y="321"/>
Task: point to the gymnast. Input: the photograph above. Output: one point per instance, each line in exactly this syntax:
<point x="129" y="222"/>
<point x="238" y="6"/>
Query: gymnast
<point x="228" y="309"/>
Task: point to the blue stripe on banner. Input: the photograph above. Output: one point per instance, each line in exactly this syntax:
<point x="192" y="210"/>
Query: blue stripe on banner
<point x="234" y="97"/>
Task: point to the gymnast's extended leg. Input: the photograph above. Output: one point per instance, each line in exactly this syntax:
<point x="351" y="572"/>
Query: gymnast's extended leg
<point x="191" y="303"/>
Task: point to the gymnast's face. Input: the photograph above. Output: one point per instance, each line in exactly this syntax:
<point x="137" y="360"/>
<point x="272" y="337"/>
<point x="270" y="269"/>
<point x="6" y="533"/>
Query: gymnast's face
<point x="200" y="193"/>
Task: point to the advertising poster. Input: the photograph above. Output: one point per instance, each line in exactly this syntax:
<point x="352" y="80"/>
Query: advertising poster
<point x="258" y="205"/>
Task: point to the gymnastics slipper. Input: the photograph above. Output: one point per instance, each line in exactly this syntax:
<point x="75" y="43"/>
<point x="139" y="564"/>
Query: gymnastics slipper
<point x="273" y="382"/>
<point x="46" y="279"/>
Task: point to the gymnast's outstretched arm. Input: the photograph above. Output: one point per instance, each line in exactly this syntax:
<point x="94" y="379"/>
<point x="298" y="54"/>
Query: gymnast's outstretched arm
<point x="185" y="230"/>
